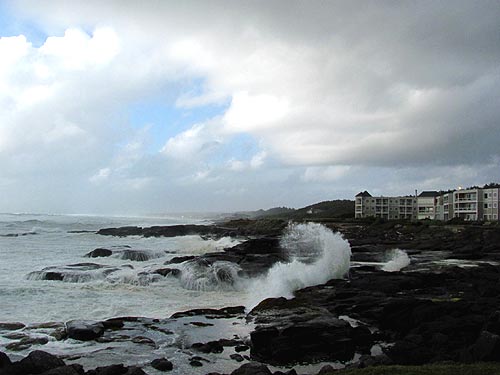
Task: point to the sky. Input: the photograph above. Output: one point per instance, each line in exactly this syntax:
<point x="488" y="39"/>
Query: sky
<point x="137" y="107"/>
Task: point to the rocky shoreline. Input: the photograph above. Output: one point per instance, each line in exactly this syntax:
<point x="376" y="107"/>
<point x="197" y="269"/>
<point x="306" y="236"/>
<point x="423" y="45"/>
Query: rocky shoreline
<point x="431" y="311"/>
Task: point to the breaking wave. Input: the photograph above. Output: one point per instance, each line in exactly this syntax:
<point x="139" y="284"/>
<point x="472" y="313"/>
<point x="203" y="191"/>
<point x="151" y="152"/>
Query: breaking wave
<point x="316" y="255"/>
<point x="399" y="259"/>
<point x="197" y="245"/>
<point x="203" y="276"/>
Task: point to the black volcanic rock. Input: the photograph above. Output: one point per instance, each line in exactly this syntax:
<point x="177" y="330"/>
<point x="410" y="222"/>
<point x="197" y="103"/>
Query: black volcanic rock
<point x="181" y="259"/>
<point x="4" y="360"/>
<point x="137" y="255"/>
<point x="252" y="368"/>
<point x="84" y="330"/>
<point x="226" y="312"/>
<point x="100" y="252"/>
<point x="209" y="347"/>
<point x="168" y="271"/>
<point x="162" y="364"/>
<point x="429" y="316"/>
<point x="39" y="361"/>
<point x="12" y="326"/>
<point x="121" y="232"/>
<point x="164" y="231"/>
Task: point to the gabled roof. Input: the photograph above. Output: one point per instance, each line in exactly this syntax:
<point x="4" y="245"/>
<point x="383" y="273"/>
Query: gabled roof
<point x="428" y="194"/>
<point x="364" y="194"/>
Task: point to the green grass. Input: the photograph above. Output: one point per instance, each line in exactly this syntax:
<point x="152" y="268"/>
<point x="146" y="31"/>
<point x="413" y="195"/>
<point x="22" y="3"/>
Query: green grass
<point x="434" y="369"/>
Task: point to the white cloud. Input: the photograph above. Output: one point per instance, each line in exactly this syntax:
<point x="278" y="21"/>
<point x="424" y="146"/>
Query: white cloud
<point x="76" y="50"/>
<point x="101" y="175"/>
<point x="325" y="174"/>
<point x="236" y="165"/>
<point x="258" y="160"/>
<point x="321" y="90"/>
<point x="195" y="142"/>
<point x="249" y="113"/>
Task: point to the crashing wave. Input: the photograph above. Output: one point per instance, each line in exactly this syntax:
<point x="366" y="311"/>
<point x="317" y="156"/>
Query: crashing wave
<point x="399" y="259"/>
<point x="204" y="276"/>
<point x="316" y="255"/>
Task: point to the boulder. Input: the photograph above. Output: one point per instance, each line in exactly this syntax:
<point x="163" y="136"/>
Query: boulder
<point x="84" y="330"/>
<point x="11" y="326"/>
<point x="137" y="255"/>
<point x="38" y="362"/>
<point x="100" y="252"/>
<point x="64" y="370"/>
<point x="162" y="364"/>
<point x="237" y="357"/>
<point x="4" y="360"/>
<point x="486" y="348"/>
<point x="209" y="347"/>
<point x="116" y="370"/>
<point x="252" y="368"/>
<point x="168" y="271"/>
<point x="177" y="260"/>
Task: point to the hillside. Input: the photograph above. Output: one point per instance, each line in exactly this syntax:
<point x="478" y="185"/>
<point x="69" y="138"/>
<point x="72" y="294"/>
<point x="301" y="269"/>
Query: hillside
<point x="326" y="209"/>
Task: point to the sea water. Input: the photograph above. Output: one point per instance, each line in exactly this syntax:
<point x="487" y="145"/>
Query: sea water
<point x="30" y="243"/>
<point x="33" y="244"/>
<point x="107" y="287"/>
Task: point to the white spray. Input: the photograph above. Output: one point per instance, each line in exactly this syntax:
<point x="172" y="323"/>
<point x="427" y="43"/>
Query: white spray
<point x="316" y="255"/>
<point x="398" y="260"/>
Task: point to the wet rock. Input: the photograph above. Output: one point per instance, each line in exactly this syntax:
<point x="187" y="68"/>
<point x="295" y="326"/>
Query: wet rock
<point x="116" y="370"/>
<point x="181" y="259"/>
<point x="11" y="326"/>
<point x="38" y="362"/>
<point x="209" y="347"/>
<point x="59" y="334"/>
<point x="326" y="370"/>
<point x="303" y="334"/>
<point x="241" y="348"/>
<point x="114" y="323"/>
<point x="409" y="353"/>
<point x="54" y="276"/>
<point x="16" y="335"/>
<point x="65" y="370"/>
<point x="100" y="252"/>
<point x="162" y="364"/>
<point x="143" y="340"/>
<point x="164" y="231"/>
<point x="4" y="360"/>
<point x="168" y="271"/>
<point x="252" y="368"/>
<point x="486" y="348"/>
<point x="226" y="312"/>
<point x="17" y="346"/>
<point x="195" y="363"/>
<point x="121" y="232"/>
<point x="289" y="372"/>
<point x="84" y="330"/>
<point x="237" y="357"/>
<point x="26" y="342"/>
<point x="138" y="255"/>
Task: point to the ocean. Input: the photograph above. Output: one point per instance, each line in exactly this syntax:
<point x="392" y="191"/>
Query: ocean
<point x="31" y="243"/>
<point x="34" y="247"/>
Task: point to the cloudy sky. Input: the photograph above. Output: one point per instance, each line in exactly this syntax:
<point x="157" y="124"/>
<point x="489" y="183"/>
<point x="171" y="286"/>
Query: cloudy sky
<point x="134" y="107"/>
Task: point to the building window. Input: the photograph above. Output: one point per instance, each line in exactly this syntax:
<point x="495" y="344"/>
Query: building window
<point x="494" y="204"/>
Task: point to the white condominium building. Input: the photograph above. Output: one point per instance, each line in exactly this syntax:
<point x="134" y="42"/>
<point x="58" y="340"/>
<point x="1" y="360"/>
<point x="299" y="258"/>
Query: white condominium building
<point x="404" y="207"/>
<point x="468" y="204"/>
